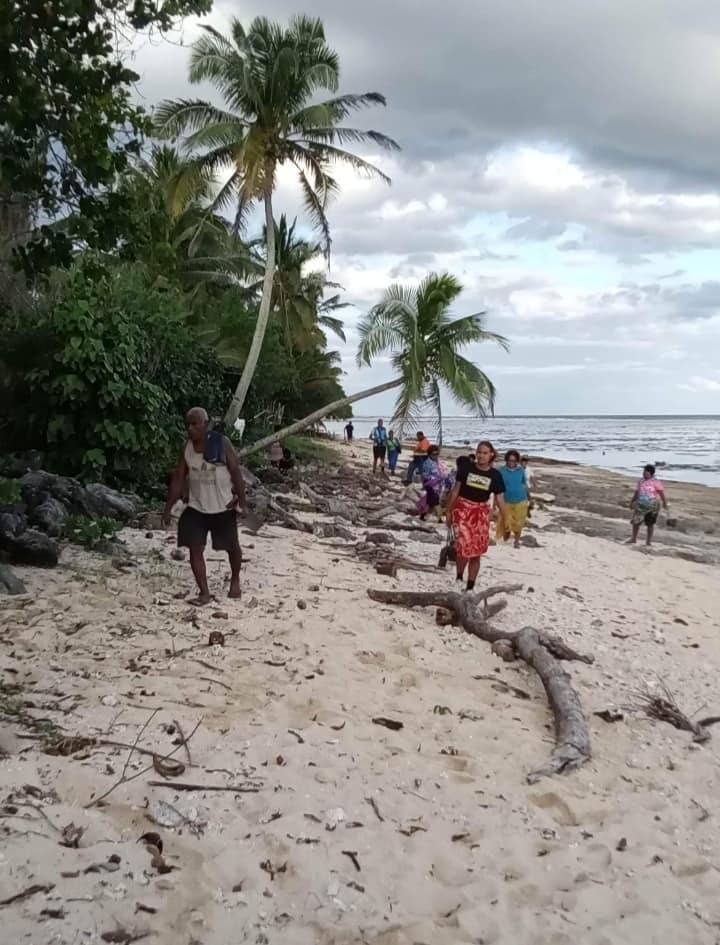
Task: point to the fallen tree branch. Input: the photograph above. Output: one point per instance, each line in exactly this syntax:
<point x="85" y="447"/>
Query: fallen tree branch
<point x="138" y="774"/>
<point x="537" y="649"/>
<point x="183" y="786"/>
<point x="26" y="893"/>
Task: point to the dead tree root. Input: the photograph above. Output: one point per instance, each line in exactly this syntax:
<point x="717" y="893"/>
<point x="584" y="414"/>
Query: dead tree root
<point x="539" y="650"/>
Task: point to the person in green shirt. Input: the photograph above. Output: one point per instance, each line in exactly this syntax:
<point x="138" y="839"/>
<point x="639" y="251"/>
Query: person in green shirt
<point x="393" y="451"/>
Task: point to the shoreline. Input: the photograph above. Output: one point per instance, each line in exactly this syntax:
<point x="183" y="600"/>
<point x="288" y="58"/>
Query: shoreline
<point x="450" y="843"/>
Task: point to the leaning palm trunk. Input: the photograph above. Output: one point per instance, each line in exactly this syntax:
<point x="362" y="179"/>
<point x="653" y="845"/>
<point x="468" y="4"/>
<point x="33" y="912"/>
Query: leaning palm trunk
<point x="238" y="400"/>
<point x="311" y="418"/>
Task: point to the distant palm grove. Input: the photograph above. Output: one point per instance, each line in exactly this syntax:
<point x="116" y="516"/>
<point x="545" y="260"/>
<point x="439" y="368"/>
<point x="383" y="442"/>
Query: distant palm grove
<point x="144" y="268"/>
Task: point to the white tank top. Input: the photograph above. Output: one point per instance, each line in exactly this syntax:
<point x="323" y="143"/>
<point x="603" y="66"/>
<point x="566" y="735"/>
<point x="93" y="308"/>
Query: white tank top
<point x="209" y="486"/>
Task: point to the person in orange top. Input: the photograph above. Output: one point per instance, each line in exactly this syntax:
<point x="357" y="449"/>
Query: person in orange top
<point x="420" y="451"/>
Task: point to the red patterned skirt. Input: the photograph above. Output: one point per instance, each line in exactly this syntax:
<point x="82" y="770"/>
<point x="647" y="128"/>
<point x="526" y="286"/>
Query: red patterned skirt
<point x="471" y="522"/>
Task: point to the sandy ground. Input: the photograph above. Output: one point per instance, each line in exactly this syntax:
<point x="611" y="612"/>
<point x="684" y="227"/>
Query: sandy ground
<point x="449" y="843"/>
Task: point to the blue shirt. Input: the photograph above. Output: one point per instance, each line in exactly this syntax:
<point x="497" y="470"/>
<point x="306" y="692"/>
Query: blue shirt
<point x="379" y="436"/>
<point x="515" y="484"/>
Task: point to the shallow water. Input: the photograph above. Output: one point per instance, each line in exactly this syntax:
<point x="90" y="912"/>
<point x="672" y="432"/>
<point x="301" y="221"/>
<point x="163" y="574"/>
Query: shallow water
<point x="683" y="448"/>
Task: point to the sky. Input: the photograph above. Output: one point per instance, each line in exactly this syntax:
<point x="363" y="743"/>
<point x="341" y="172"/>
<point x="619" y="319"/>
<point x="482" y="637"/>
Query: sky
<point x="562" y="159"/>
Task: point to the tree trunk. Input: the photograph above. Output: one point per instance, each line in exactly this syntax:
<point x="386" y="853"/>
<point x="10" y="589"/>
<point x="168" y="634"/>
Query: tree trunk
<point x="311" y="418"/>
<point x="542" y="651"/>
<point x="440" y="428"/>
<point x="238" y="400"/>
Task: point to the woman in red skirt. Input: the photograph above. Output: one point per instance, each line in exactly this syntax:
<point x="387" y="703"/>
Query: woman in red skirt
<point x="469" y="510"/>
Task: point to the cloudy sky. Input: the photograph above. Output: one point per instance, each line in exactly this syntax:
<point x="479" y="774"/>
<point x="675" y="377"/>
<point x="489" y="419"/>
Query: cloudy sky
<point x="563" y="159"/>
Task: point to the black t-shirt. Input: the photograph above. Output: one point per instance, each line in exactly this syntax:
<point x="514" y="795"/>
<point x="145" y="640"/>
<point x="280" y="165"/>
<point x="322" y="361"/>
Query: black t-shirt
<point x="478" y="485"/>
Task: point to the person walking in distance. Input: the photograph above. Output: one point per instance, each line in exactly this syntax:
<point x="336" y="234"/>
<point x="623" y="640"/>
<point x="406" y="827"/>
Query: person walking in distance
<point x="215" y="490"/>
<point x="420" y="451"/>
<point x="394" y="448"/>
<point x="379" y="439"/>
<point x="349" y="430"/>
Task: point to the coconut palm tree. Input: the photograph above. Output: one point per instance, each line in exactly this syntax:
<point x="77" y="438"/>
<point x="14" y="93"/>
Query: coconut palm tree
<point x="269" y="77"/>
<point x="414" y="326"/>
<point x="183" y="235"/>
<point x="298" y="297"/>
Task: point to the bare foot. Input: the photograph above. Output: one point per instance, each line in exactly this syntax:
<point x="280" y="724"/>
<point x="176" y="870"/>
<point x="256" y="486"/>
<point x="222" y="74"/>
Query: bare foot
<point x="235" y="591"/>
<point x="201" y="600"/>
<point x="516" y="543"/>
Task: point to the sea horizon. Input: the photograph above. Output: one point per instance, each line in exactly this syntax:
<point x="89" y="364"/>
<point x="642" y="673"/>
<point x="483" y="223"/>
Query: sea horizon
<point x="684" y="447"/>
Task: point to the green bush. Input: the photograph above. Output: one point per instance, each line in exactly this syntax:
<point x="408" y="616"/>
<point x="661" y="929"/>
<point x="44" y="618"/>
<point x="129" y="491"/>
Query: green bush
<point x="101" y="374"/>
<point x="81" y="530"/>
<point x="10" y="492"/>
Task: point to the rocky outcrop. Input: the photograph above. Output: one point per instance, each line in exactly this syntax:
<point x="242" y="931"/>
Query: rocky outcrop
<point x="30" y="529"/>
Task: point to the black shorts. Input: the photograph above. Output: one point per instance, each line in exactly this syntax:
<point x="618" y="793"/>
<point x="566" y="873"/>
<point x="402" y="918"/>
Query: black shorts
<point x="379" y="452"/>
<point x="650" y="519"/>
<point x="194" y="526"/>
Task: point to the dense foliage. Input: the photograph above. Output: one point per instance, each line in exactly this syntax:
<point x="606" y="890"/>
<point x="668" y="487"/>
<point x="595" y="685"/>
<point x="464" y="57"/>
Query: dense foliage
<point x="100" y="373"/>
<point x="142" y="299"/>
<point x="70" y="122"/>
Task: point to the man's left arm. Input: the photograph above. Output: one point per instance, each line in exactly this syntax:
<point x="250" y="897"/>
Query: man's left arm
<point x="233" y="465"/>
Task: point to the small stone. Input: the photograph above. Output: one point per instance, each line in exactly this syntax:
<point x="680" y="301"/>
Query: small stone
<point x="178" y="554"/>
<point x="302" y="605"/>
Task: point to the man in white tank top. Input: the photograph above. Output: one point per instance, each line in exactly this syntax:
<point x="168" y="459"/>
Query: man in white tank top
<point x="215" y="490"/>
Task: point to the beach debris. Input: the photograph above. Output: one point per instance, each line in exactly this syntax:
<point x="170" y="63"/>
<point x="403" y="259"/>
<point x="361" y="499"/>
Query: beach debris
<point x="610" y="715"/>
<point x="505" y="650"/>
<point x="621" y="845"/>
<point x="680" y="620"/>
<point x="387" y="568"/>
<point x="168" y="767"/>
<point x="374" y="804"/>
<point x="216" y="638"/>
<point x="247" y="788"/>
<point x="445" y="617"/>
<point x="122" y="936"/>
<point x="151" y="838"/>
<point x="71" y="836"/>
<point x="392" y="724"/>
<point x="268" y="867"/>
<point x="442" y="710"/>
<point x="301" y="740"/>
<point x="58" y="913"/>
<point x="141" y="907"/>
<point x="301" y="604"/>
<point x="353" y="857"/>
<point x="111" y="865"/>
<point x="411" y="829"/>
<point x="338" y="728"/>
<point x="540" y="650"/>
<point x="164" y="815"/>
<point x="457" y="837"/>
<point x="154" y="846"/>
<point x="500" y="685"/>
<point x="663" y="707"/>
<point x="27" y="893"/>
<point x="571" y="592"/>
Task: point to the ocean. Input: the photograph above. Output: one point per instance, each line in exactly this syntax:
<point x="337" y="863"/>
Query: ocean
<point x="683" y="448"/>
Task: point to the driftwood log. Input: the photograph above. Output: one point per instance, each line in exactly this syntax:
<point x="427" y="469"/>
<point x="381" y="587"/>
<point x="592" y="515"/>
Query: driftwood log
<point x="540" y="650"/>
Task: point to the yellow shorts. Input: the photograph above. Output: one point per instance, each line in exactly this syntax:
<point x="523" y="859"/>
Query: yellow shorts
<point x="516" y="514"/>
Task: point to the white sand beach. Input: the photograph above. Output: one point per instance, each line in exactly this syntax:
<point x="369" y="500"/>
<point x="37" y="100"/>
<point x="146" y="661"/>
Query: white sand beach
<point x="346" y="831"/>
